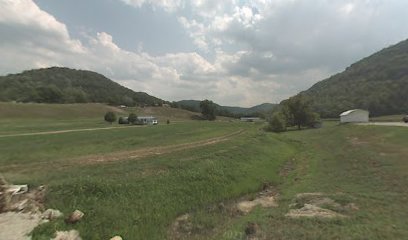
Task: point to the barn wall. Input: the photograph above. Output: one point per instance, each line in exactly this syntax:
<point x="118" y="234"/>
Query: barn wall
<point x="356" y="116"/>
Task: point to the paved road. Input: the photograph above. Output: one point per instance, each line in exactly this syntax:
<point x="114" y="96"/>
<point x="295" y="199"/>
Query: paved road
<point x="398" y="124"/>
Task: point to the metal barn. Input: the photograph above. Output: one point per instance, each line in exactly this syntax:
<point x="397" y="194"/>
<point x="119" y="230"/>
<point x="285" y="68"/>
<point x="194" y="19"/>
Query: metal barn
<point x="355" y="115"/>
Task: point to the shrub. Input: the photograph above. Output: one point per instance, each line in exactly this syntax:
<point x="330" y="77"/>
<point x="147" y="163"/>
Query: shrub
<point x="277" y="123"/>
<point x="110" y="117"/>
<point x="132" y="118"/>
<point x="123" y="120"/>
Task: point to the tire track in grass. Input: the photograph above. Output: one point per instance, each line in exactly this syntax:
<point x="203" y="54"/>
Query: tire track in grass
<point x="62" y="131"/>
<point x="124" y="155"/>
<point x="151" y="151"/>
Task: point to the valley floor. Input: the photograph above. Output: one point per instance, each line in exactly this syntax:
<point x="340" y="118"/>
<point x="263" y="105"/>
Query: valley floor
<point x="144" y="178"/>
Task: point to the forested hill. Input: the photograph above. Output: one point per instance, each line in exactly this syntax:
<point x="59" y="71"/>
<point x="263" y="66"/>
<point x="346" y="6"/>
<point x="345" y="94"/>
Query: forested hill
<point x="64" y="85"/>
<point x="378" y="83"/>
<point x="194" y="105"/>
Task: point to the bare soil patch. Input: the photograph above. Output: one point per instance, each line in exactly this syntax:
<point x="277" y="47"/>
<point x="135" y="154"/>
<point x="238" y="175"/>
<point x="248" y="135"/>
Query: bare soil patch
<point x="318" y="205"/>
<point x="20" y="210"/>
<point x="355" y="141"/>
<point x="17" y="226"/>
<point x="67" y="235"/>
<point x="185" y="226"/>
<point x="287" y="168"/>
<point x="264" y="199"/>
<point x="312" y="211"/>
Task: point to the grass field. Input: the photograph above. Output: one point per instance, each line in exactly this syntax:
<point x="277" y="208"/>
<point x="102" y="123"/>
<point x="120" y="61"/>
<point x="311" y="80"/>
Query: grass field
<point x="365" y="165"/>
<point x="390" y="118"/>
<point x="18" y="118"/>
<point x="140" y="198"/>
<point x="135" y="181"/>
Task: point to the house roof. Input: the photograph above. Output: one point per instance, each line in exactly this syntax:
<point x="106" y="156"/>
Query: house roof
<point x="350" y="111"/>
<point x="146" y="117"/>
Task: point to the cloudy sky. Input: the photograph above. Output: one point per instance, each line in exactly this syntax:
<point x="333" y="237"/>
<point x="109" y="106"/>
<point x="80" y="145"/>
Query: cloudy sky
<point x="235" y="52"/>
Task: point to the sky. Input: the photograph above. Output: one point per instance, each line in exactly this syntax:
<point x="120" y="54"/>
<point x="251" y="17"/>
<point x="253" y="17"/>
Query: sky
<point x="234" y="52"/>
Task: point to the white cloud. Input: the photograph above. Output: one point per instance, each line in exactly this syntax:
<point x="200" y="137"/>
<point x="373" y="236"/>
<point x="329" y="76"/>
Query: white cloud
<point x="347" y="8"/>
<point x="260" y="51"/>
<point x="167" y="5"/>
<point x="171" y="76"/>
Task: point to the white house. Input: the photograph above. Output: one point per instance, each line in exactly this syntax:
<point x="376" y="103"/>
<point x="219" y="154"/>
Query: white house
<point x="147" y="120"/>
<point x="355" y="115"/>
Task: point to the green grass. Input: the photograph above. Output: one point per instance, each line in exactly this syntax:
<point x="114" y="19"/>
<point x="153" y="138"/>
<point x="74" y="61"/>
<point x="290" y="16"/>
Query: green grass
<point x="21" y="126"/>
<point x="59" y="147"/>
<point x="53" y="111"/>
<point x="366" y="164"/>
<point x="390" y="118"/>
<point x="43" y="111"/>
<point x="140" y="198"/>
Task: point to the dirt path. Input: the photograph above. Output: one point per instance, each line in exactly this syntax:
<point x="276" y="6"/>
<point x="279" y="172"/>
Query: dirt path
<point x="397" y="124"/>
<point x="61" y="131"/>
<point x="127" y="155"/>
<point x="145" y="152"/>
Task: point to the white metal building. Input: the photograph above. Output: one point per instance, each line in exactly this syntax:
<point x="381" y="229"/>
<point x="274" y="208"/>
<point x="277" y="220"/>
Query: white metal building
<point x="355" y="115"/>
<point x="147" y="120"/>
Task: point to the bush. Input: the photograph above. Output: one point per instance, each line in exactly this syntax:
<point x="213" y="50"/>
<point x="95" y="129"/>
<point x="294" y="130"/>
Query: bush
<point x="110" y="117"/>
<point x="277" y="123"/>
<point x="132" y="118"/>
<point x="313" y="120"/>
<point x="123" y="120"/>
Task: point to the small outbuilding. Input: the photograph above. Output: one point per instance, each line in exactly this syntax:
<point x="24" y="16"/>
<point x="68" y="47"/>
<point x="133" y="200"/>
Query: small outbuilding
<point x="250" y="119"/>
<point x="355" y="115"/>
<point x="147" y="120"/>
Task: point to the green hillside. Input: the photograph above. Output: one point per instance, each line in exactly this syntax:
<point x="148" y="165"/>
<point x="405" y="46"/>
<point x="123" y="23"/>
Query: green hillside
<point x="378" y="83"/>
<point x="194" y="105"/>
<point x="55" y="111"/>
<point x="64" y="85"/>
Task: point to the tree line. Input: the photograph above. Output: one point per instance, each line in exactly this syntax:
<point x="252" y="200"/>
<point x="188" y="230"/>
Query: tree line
<point x="296" y="112"/>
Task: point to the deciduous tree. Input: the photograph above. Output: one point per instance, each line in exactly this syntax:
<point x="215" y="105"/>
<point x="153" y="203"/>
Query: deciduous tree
<point x="208" y="109"/>
<point x="110" y="117"/>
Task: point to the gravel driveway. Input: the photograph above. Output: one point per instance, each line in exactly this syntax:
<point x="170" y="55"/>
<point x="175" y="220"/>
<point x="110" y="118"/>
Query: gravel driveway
<point x="398" y="124"/>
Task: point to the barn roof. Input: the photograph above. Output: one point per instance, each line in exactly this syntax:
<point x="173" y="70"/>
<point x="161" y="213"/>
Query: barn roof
<point x="350" y="111"/>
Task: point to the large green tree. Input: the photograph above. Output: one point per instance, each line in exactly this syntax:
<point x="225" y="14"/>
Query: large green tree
<point x="208" y="109"/>
<point x="298" y="112"/>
